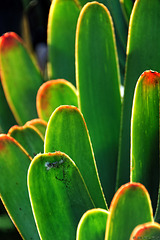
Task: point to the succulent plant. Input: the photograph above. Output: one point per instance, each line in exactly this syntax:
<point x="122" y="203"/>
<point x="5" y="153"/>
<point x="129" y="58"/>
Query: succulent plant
<point x="84" y="161"/>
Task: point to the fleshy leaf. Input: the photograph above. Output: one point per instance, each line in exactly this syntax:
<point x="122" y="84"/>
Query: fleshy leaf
<point x="98" y="87"/>
<point x="67" y="132"/>
<point x="29" y="137"/>
<point x="58" y="192"/>
<point x="62" y="23"/>
<point x="146" y="231"/>
<point x="143" y="53"/>
<point x="130" y="207"/>
<point x="54" y="93"/>
<point x="20" y="77"/>
<point x="145" y="134"/>
<point x="6" y="117"/>
<point x="39" y="124"/>
<point x="14" y="163"/>
<point x="92" y="225"/>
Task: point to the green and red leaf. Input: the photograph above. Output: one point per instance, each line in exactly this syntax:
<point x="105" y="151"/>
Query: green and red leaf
<point x="21" y="78"/>
<point x="54" y="93"/>
<point x="14" y="163"/>
<point x="130" y="207"/>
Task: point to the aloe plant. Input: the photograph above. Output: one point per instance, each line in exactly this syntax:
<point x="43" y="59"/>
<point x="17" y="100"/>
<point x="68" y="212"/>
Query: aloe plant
<point x="89" y="166"/>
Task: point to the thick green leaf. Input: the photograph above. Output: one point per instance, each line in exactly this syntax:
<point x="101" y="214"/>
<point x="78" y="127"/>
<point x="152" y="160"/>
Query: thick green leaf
<point x="145" y="134"/>
<point x="130" y="207"/>
<point x="92" y="225"/>
<point x="29" y="137"/>
<point x="146" y="231"/>
<point x="62" y="23"/>
<point x="14" y="163"/>
<point x="67" y="132"/>
<point x="54" y="93"/>
<point x="20" y="77"/>
<point x="143" y="53"/>
<point x="99" y="91"/>
<point x="127" y="6"/>
<point x="58" y="195"/>
<point x="39" y="124"/>
<point x="6" y="117"/>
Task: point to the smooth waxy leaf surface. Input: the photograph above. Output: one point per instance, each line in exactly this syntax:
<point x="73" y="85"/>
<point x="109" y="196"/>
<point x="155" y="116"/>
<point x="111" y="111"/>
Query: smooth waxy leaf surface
<point x="146" y="231"/>
<point x="39" y="124"/>
<point x="14" y="163"/>
<point x="6" y="117"/>
<point x="143" y="53"/>
<point x="20" y="77"/>
<point x="58" y="195"/>
<point x="62" y="23"/>
<point x="67" y="132"/>
<point x="29" y="137"/>
<point x="145" y="134"/>
<point x="130" y="207"/>
<point x="92" y="225"/>
<point x="54" y="93"/>
<point x="98" y="86"/>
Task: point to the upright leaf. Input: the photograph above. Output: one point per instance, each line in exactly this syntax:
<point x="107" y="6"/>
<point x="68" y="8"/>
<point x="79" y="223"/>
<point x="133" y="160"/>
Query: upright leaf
<point x="20" y="77"/>
<point x="143" y="53"/>
<point x="92" y="225"/>
<point x="62" y="23"/>
<point x="145" y="134"/>
<point x="67" y="132"/>
<point x="54" y="93"/>
<point x="13" y="186"/>
<point x="130" y="207"/>
<point x="98" y="86"/>
<point x="58" y="195"/>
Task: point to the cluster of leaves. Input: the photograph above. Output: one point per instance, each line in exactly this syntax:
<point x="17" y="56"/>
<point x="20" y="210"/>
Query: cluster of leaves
<point x="73" y="176"/>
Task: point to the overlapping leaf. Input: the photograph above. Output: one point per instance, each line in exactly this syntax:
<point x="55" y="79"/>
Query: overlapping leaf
<point x="58" y="195"/>
<point x="54" y="93"/>
<point x="67" y="132"/>
<point x="98" y="86"/>
<point x="14" y="163"/>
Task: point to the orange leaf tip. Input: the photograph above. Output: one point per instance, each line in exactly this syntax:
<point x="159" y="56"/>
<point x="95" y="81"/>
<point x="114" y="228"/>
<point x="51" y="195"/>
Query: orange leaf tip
<point x="8" y="41"/>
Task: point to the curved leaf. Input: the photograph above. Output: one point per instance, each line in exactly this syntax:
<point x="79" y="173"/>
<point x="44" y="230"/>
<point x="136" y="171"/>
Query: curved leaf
<point x="39" y="124"/>
<point x="20" y="77"/>
<point x="54" y="93"/>
<point x="67" y="132"/>
<point x="99" y="90"/>
<point x="145" y="134"/>
<point x="58" y="192"/>
<point x="146" y="231"/>
<point x="143" y="53"/>
<point x="92" y="225"/>
<point x="29" y="138"/>
<point x="13" y="186"/>
<point x="130" y="207"/>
